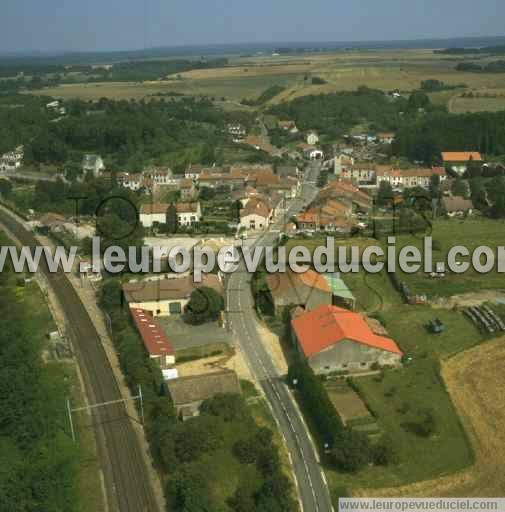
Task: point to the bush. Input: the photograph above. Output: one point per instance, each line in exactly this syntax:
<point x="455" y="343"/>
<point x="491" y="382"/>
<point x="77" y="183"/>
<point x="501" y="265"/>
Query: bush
<point x="316" y="401"/>
<point x="384" y="453"/>
<point x="205" y="305"/>
<point x="228" y="406"/>
<point x="421" y="423"/>
<point x="351" y="451"/>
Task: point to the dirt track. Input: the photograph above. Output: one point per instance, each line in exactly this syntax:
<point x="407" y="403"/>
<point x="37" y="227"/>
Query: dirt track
<point x="476" y="382"/>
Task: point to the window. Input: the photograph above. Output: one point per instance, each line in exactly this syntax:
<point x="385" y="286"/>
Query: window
<point x="175" y="308"/>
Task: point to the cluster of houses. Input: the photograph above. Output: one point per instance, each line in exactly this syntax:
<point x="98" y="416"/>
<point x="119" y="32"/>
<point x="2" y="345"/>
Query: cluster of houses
<point x="335" y="208"/>
<point x="12" y="160"/>
<point x="370" y="175"/>
<point x="326" y="330"/>
<point x="157" y="181"/>
<point x="148" y="301"/>
<point x="261" y="189"/>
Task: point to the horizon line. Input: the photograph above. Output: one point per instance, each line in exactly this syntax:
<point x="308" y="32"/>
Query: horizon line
<point x="266" y="44"/>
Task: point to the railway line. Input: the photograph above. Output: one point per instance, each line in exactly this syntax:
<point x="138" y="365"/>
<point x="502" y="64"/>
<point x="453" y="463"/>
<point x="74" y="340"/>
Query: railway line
<point x="126" y="478"/>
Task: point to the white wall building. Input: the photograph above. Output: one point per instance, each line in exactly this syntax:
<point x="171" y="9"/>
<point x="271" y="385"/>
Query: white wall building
<point x="312" y="138"/>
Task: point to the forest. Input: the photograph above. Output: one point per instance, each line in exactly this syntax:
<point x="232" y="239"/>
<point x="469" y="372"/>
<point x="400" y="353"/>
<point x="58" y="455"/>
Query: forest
<point x="124" y="71"/>
<point x="424" y="139"/>
<point x="39" y="460"/>
<point x="334" y="114"/>
<point x="496" y="66"/>
<point x="163" y="131"/>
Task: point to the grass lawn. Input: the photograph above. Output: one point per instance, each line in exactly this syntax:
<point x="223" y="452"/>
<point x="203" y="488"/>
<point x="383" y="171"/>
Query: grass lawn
<point x="415" y="387"/>
<point x="470" y="233"/>
<point x="374" y="293"/>
<point x="202" y="351"/>
<point x="407" y="325"/>
<point x="39" y="324"/>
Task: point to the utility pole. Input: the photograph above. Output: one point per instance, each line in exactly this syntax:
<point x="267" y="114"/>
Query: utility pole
<point x="69" y="410"/>
<point x="141" y="404"/>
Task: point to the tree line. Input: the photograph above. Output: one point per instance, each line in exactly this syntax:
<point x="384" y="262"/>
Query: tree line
<point x="39" y="460"/>
<point x="186" y="452"/>
<point x="425" y="138"/>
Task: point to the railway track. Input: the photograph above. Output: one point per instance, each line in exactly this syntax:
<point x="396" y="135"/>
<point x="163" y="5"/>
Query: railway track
<point x="125" y="473"/>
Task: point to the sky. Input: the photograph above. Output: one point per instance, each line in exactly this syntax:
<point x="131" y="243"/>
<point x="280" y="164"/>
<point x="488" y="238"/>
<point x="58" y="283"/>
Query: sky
<point x="100" y="25"/>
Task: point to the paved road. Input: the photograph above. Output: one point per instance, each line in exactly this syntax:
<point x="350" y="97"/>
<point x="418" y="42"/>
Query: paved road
<point x="126" y="478"/>
<point x="314" y="493"/>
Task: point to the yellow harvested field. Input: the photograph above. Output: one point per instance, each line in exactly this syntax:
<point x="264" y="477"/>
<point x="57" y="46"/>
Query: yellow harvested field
<point x="476" y="382"/>
<point x="248" y="77"/>
<point x="460" y="105"/>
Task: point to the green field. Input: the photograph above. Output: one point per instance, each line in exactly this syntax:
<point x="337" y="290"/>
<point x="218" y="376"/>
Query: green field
<point x="411" y="389"/>
<point x="248" y="77"/>
<point x="470" y="233"/>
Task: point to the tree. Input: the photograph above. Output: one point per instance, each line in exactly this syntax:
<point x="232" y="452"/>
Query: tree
<point x="205" y="305"/>
<point x="459" y="187"/>
<point x="228" y="406"/>
<point x="172" y="223"/>
<point x="421" y="422"/>
<point x="385" y="194"/>
<point x="207" y="194"/>
<point x="417" y="100"/>
<point x="5" y="188"/>
<point x="351" y="451"/>
<point x="435" y="186"/>
<point x="198" y="436"/>
<point x="384" y="452"/>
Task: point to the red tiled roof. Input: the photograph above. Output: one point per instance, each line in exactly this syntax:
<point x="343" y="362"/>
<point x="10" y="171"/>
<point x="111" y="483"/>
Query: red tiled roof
<point x="153" y="208"/>
<point x="410" y="173"/>
<point x="256" y="206"/>
<point x="282" y="282"/>
<point x="161" y="208"/>
<point x="186" y="207"/>
<point x="327" y="325"/>
<point x="155" y="340"/>
<point x="461" y="156"/>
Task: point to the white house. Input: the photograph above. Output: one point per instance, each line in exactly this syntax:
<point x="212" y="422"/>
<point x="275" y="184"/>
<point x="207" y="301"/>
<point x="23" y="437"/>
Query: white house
<point x="386" y="137"/>
<point x="312" y="138"/>
<point x="187" y="214"/>
<point x="153" y="213"/>
<point x="160" y="176"/>
<point x="92" y="164"/>
<point x="313" y="154"/>
<point x="409" y="178"/>
<point x="131" y="181"/>
<point x="256" y="215"/>
<point x="340" y="161"/>
<point x="12" y="160"/>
